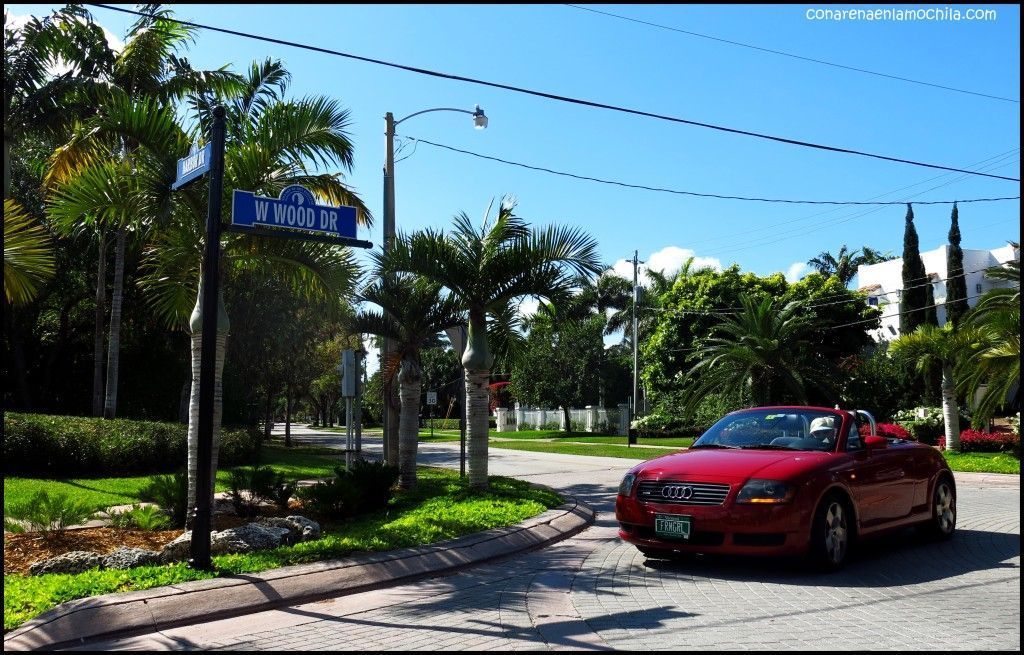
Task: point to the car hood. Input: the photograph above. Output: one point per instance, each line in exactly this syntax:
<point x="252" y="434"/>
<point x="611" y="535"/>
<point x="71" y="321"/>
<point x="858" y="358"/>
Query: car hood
<point x="715" y="465"/>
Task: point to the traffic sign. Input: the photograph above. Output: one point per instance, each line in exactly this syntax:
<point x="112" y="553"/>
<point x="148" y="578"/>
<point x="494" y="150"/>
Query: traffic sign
<point x="295" y="208"/>
<point x="431" y="397"/>
<point x="193" y="166"/>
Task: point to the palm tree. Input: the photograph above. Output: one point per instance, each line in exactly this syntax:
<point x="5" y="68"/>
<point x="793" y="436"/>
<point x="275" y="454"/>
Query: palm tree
<point x="845" y="265"/>
<point x="148" y="68"/>
<point x="763" y="350"/>
<point x="484" y="269"/>
<point x="929" y="345"/>
<point x="413" y="312"/>
<point x="992" y="360"/>
<point x="28" y="258"/>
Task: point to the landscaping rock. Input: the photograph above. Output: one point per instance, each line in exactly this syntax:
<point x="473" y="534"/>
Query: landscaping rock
<point x="310" y="528"/>
<point x="76" y="561"/>
<point x="247" y="538"/>
<point x="179" y="549"/>
<point x="299" y="527"/>
<point x="126" y="558"/>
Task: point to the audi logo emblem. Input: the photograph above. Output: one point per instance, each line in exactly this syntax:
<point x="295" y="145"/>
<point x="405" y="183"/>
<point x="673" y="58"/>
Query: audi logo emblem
<point x="677" y="492"/>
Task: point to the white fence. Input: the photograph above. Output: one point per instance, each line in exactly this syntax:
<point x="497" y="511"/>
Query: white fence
<point x="589" y="419"/>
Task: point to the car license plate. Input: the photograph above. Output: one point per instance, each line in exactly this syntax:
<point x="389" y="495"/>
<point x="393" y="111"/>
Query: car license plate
<point x="672" y="526"/>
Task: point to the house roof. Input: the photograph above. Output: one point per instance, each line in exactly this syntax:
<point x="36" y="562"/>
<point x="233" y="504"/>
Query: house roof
<point x="870" y="287"/>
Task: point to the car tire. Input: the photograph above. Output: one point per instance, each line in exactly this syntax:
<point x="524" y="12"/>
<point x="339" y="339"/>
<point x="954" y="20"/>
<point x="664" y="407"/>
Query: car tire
<point x="942" y="523"/>
<point x="831" y="533"/>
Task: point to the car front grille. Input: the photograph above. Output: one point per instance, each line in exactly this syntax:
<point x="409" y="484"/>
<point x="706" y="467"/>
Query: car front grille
<point x="682" y="493"/>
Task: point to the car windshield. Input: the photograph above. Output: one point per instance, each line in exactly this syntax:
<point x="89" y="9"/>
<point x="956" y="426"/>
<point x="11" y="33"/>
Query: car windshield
<point x="774" y="429"/>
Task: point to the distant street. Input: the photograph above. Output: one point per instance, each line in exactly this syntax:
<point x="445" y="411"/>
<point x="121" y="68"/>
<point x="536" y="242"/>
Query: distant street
<point x="595" y="592"/>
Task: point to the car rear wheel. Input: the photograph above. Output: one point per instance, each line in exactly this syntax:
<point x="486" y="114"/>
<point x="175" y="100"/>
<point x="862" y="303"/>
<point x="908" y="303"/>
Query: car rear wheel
<point x="830" y="534"/>
<point x="943" y="520"/>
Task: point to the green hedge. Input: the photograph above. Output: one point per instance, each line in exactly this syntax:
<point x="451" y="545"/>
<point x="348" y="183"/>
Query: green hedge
<point x="66" y="446"/>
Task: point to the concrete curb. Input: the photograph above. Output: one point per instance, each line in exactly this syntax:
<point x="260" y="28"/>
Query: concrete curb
<point x="121" y="614"/>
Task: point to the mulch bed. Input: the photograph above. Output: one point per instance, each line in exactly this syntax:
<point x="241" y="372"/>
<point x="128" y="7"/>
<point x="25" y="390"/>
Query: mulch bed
<point x="22" y="550"/>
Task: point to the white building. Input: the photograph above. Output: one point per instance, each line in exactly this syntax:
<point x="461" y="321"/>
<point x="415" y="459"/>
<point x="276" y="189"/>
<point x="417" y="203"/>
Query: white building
<point x="884" y="282"/>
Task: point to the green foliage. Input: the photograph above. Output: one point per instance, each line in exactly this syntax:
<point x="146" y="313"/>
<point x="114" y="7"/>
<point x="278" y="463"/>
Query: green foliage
<point x="956" y="282"/>
<point x="141" y="517"/>
<point x="48" y="514"/>
<point x="252" y="486"/>
<point x="560" y="364"/>
<point x="983" y="462"/>
<point x="170" y="492"/>
<point x="365" y="487"/>
<point x="41" y="444"/>
<point x="876" y="382"/>
<point x="914" y="296"/>
<point x="441" y="507"/>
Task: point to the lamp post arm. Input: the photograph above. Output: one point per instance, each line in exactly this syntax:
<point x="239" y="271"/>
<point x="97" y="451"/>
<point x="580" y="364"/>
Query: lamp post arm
<point x="425" y="111"/>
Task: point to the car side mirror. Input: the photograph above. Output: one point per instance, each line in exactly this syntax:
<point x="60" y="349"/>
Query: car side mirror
<point x="874" y="442"/>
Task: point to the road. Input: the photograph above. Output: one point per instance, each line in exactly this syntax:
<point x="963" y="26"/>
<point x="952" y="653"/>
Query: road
<point x="595" y="592"/>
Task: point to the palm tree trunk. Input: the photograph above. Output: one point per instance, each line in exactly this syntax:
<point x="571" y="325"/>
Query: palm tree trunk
<point x="950" y="408"/>
<point x="477" y="402"/>
<point x="223" y="327"/>
<point x="568" y="418"/>
<point x="101" y="315"/>
<point x="391" y="406"/>
<point x="408" y="429"/>
<point x="114" y="348"/>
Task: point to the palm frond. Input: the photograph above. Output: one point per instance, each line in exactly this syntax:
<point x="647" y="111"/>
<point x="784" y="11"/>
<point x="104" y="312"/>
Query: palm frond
<point x="28" y="256"/>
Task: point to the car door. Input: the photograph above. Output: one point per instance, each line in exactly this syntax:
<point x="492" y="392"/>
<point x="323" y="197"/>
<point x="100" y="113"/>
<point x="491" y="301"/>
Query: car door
<point x="880" y="480"/>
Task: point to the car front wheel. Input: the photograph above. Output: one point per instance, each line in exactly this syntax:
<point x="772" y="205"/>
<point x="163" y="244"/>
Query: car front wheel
<point x="830" y="534"/>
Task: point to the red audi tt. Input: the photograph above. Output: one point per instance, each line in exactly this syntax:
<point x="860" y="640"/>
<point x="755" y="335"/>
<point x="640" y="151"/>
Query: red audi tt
<point x="785" y="481"/>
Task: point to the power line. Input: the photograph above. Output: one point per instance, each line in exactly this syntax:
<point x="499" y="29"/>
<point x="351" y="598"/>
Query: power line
<point x="561" y="98"/>
<point x="794" y="56"/>
<point x="783" y="236"/>
<point x="698" y="194"/>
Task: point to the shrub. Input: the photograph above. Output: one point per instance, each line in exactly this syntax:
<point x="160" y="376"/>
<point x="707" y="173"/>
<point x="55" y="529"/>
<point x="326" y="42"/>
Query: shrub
<point x="142" y="517"/>
<point x="170" y="492"/>
<point x="72" y="446"/>
<point x="250" y="487"/>
<point x="50" y="515"/>
<point x="924" y="431"/>
<point x="365" y="487"/>
<point x="975" y="441"/>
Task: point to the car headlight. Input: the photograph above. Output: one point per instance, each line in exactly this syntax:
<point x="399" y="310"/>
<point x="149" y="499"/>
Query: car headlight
<point x="626" y="486"/>
<point x="765" y="491"/>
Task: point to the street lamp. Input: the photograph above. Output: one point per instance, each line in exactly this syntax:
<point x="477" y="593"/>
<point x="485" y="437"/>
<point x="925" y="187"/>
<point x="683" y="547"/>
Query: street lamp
<point x="389" y="416"/>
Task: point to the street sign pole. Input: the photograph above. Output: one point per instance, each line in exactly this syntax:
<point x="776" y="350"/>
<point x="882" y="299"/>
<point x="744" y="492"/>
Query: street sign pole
<point x="201" y="513"/>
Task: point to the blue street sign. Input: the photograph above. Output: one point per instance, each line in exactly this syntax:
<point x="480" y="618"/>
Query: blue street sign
<point x="295" y="208"/>
<point x="193" y="166"/>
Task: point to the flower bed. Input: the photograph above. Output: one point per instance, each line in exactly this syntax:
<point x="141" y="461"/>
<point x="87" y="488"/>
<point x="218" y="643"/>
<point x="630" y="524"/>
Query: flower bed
<point x="989" y="442"/>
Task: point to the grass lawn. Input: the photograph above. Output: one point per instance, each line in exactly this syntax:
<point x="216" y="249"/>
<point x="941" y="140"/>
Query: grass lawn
<point x="441" y="507"/>
<point x="983" y="462"/>
<point x="296" y="463"/>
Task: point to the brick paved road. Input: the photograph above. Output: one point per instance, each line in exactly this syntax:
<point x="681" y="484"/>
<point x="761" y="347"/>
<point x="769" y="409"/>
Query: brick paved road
<point x="595" y="592"/>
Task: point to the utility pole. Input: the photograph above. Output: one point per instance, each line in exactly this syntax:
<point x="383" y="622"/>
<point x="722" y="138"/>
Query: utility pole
<point x="636" y="355"/>
<point x="389" y="418"/>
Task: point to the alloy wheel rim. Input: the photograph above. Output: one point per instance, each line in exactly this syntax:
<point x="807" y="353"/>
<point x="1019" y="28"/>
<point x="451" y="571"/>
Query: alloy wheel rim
<point x="945" y="508"/>
<point x="835" y="533"/>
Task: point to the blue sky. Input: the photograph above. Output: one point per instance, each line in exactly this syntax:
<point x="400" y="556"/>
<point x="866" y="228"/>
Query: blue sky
<point x="559" y="49"/>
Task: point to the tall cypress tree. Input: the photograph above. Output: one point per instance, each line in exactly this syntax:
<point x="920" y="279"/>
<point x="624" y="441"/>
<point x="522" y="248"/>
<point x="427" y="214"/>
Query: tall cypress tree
<point x="931" y="313"/>
<point x="914" y="297"/>
<point x="956" y="283"/>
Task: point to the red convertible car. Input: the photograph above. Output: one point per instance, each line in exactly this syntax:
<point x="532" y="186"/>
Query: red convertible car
<point x="785" y="481"/>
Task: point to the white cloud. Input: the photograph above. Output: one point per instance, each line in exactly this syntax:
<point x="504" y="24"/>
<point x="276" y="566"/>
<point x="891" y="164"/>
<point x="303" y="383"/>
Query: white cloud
<point x="668" y="260"/>
<point x="795" y="271"/>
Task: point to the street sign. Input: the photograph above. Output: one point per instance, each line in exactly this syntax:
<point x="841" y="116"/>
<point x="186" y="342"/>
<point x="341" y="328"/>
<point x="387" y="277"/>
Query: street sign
<point x="295" y="208"/>
<point x="193" y="166"/>
<point x="431" y="397"/>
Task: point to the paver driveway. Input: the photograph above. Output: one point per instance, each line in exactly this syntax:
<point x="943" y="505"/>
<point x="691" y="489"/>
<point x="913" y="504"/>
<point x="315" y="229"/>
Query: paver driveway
<point x="593" y="591"/>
